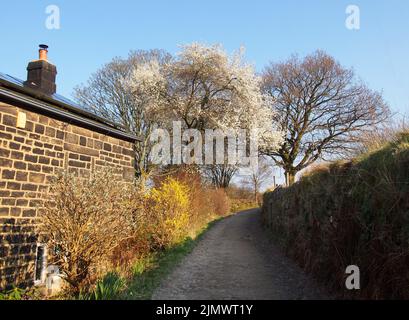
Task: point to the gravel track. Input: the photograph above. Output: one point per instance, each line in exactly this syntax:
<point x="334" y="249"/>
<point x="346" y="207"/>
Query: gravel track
<point x="236" y="260"/>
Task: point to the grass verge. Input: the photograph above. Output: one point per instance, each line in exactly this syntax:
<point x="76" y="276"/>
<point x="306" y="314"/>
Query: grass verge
<point x="150" y="273"/>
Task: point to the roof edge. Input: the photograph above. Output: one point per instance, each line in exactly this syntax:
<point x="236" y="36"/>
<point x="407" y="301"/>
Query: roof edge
<point x="43" y="97"/>
<point x="23" y="100"/>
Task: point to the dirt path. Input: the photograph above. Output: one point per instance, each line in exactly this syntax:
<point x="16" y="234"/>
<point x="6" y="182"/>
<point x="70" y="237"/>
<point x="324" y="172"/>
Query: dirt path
<point x="236" y="260"/>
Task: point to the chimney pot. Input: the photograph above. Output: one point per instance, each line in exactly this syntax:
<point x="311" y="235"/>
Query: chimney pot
<point x="43" y="52"/>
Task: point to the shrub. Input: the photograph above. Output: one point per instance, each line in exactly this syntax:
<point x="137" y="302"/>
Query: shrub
<point x="205" y="202"/>
<point x="97" y="224"/>
<point x="168" y="209"/>
<point x="238" y="205"/>
<point x="131" y="250"/>
<point x="241" y="199"/>
<point x="200" y="204"/>
<point x="84" y="219"/>
<point x="220" y="202"/>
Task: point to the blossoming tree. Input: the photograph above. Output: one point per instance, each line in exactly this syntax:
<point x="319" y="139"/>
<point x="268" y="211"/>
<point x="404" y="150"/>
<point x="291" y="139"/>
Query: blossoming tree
<point x="206" y="88"/>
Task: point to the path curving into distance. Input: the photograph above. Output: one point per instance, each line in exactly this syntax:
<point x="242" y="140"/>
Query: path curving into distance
<point x="236" y="260"/>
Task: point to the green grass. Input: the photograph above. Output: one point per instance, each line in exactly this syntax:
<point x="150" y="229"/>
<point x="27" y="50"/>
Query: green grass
<point x="148" y="273"/>
<point x="153" y="269"/>
<point x="20" y="294"/>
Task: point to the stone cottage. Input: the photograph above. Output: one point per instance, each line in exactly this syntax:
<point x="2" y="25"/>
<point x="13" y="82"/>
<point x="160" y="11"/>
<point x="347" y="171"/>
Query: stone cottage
<point x="40" y="133"/>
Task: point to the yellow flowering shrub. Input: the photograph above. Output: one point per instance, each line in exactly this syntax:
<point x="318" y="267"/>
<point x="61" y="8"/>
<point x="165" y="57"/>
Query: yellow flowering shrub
<point x="168" y="213"/>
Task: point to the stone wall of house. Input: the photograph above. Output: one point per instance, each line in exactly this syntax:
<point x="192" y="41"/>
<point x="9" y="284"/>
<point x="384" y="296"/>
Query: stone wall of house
<point x="29" y="158"/>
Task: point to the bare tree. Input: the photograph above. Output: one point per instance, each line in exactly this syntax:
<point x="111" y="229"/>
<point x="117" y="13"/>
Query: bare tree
<point x="108" y="95"/>
<point x="258" y="176"/>
<point x="221" y="175"/>
<point x="321" y="107"/>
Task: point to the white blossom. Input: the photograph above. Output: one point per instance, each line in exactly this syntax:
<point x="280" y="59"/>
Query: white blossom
<point x="205" y="88"/>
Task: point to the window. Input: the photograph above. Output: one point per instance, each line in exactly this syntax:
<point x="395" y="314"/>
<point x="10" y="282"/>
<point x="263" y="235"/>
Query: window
<point x="40" y="264"/>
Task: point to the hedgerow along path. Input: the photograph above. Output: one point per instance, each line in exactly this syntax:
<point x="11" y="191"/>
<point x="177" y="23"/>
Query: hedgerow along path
<point x="235" y="259"/>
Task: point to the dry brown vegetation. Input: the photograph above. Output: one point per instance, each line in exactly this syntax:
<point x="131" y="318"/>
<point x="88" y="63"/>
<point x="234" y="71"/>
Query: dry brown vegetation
<point x="85" y="219"/>
<point x="97" y="224"/>
<point x="350" y="213"/>
<point x="241" y="198"/>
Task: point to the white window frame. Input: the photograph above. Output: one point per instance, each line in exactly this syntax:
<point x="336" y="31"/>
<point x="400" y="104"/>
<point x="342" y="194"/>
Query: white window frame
<point x="41" y="281"/>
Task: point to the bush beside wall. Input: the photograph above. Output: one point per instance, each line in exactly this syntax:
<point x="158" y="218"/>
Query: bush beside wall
<point x="84" y="219"/>
<point x="98" y="225"/>
<point x="350" y="213"/>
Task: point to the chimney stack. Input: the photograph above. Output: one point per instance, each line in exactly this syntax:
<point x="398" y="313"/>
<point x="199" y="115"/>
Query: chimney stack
<point x="41" y="74"/>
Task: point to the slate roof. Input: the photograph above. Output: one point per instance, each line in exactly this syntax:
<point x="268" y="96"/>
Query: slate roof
<point x="12" y="90"/>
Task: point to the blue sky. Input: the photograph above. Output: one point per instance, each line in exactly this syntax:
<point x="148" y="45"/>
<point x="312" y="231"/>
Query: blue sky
<point x="93" y="32"/>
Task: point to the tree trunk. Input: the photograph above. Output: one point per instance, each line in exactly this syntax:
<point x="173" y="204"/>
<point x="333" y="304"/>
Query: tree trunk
<point x="289" y="178"/>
